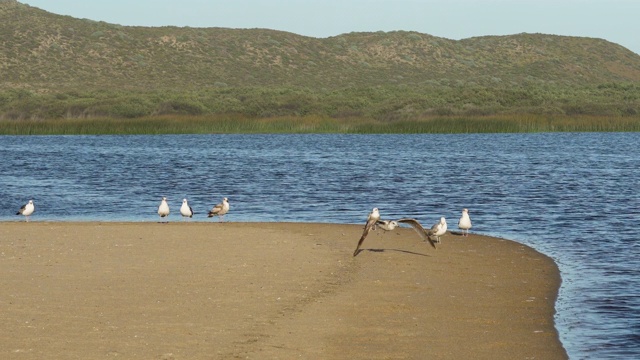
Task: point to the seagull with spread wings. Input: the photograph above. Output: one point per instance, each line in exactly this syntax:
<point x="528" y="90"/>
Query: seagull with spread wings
<point x="415" y="224"/>
<point x="373" y="218"/>
<point x="387" y="225"/>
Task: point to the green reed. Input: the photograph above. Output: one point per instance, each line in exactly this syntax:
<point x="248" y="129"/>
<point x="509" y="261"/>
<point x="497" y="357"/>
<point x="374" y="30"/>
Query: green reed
<point x="240" y="124"/>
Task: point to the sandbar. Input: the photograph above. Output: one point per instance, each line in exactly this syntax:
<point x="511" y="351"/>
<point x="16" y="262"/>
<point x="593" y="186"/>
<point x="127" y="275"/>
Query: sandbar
<point x="225" y="290"/>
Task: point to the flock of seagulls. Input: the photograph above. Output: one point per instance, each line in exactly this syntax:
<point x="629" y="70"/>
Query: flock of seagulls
<point x="187" y="211"/>
<point x="436" y="231"/>
<point x="373" y="221"/>
<point x="163" y="210"/>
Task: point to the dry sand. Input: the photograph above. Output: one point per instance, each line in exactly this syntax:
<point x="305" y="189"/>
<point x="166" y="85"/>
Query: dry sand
<point x="269" y="291"/>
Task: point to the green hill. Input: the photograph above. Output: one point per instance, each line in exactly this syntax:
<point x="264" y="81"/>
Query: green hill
<point x="55" y="66"/>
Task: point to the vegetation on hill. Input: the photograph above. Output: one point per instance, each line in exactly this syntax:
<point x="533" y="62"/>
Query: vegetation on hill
<point x="55" y="67"/>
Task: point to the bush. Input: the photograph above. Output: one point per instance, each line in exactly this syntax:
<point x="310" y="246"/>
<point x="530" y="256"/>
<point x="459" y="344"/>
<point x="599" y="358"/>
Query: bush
<point x="185" y="107"/>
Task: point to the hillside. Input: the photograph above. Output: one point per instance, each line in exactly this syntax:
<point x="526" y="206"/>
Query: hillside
<point x="44" y="53"/>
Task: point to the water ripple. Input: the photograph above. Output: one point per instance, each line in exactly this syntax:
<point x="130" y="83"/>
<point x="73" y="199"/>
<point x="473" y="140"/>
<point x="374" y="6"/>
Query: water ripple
<point x="571" y="196"/>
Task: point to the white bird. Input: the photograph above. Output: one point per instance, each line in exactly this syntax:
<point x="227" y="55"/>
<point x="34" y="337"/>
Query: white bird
<point x="424" y="234"/>
<point x="163" y="209"/>
<point x="185" y="209"/>
<point x="439" y="229"/>
<point x="465" y="222"/>
<point x="26" y="210"/>
<point x="372" y="219"/>
<point x="387" y="225"/>
<point x="220" y="209"/>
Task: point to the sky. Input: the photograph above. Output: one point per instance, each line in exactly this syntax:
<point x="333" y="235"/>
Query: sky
<point x="617" y="21"/>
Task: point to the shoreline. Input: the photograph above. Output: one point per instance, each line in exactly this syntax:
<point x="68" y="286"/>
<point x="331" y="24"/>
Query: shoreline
<point x="270" y="290"/>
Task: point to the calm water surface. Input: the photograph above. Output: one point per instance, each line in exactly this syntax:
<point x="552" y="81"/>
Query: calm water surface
<point x="573" y="197"/>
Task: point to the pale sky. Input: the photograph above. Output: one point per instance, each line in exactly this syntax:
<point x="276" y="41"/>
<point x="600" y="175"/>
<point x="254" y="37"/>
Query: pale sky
<point x="617" y="21"/>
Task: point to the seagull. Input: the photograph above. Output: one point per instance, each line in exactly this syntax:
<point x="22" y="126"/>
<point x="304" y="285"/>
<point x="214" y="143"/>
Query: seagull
<point x="439" y="229"/>
<point x="424" y="234"/>
<point x="465" y="222"/>
<point x="373" y="218"/>
<point x="220" y="209"/>
<point x="185" y="209"/>
<point x="387" y="225"/>
<point x="27" y="210"/>
<point x="163" y="209"/>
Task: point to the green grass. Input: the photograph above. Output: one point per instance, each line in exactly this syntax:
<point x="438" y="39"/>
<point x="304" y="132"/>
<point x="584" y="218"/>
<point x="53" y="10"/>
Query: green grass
<point x="387" y="104"/>
<point x="240" y="124"/>
<point x="62" y="75"/>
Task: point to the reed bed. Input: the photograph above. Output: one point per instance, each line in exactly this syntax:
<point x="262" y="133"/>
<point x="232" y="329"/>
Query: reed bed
<point x="240" y="124"/>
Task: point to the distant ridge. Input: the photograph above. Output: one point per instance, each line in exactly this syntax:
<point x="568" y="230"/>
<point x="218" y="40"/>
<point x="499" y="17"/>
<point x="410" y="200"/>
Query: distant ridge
<point x="48" y="53"/>
<point x="42" y="50"/>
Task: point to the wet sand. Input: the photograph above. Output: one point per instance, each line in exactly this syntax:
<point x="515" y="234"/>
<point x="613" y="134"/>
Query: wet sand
<point x="269" y="291"/>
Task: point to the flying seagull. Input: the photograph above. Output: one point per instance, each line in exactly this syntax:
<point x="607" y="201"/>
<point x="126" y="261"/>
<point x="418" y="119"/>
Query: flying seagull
<point x="372" y="219"/>
<point x="439" y="229"/>
<point x="465" y="222"/>
<point x="163" y="209"/>
<point x="26" y="210"/>
<point x="185" y="209"/>
<point x="424" y="234"/>
<point x="220" y="209"/>
<point x="387" y="225"/>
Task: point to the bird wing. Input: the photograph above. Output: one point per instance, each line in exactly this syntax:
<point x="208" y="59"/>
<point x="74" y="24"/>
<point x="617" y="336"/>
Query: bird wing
<point x="216" y="209"/>
<point x="368" y="226"/>
<point x="424" y="234"/>
<point x="22" y="208"/>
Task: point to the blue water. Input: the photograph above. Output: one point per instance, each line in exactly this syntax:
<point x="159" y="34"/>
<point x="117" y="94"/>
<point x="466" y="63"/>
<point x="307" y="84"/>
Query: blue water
<point x="574" y="197"/>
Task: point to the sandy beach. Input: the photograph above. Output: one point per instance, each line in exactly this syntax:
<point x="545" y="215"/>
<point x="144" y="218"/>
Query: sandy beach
<point x="269" y="291"/>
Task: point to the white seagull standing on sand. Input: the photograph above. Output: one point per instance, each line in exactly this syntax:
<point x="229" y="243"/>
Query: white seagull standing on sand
<point x="185" y="209"/>
<point x="424" y="234"/>
<point x="26" y="210"/>
<point x="439" y="229"/>
<point x="372" y="219"/>
<point x="220" y="209"/>
<point x="163" y="209"/>
<point x="465" y="222"/>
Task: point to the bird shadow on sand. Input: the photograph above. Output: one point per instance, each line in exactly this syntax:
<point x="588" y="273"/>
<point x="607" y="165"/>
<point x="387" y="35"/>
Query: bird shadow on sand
<point x="395" y="250"/>
<point x="455" y="233"/>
